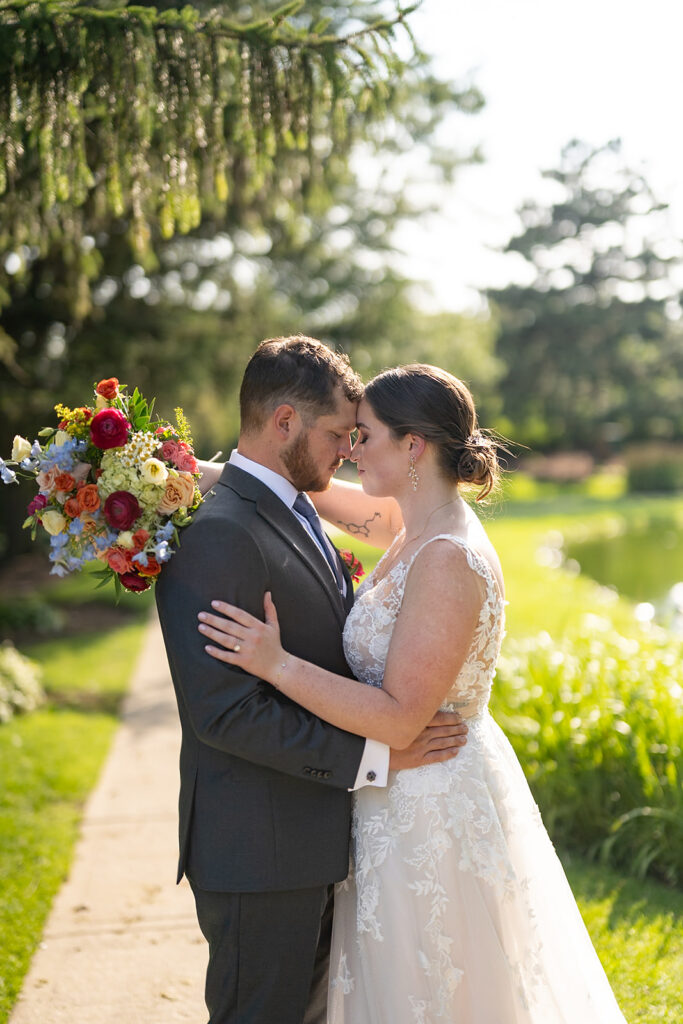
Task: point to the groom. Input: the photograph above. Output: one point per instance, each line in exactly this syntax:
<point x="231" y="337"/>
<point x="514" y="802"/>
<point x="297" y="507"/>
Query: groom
<point x="265" y="786"/>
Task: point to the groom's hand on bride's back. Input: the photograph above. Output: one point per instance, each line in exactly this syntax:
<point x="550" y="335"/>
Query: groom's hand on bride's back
<point x="441" y="740"/>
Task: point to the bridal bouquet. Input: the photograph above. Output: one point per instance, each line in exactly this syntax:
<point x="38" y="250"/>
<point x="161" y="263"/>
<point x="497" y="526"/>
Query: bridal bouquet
<point x="114" y="485"/>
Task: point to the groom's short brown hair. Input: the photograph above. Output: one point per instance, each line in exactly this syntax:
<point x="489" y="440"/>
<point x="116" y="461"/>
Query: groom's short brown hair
<point x="298" y="370"/>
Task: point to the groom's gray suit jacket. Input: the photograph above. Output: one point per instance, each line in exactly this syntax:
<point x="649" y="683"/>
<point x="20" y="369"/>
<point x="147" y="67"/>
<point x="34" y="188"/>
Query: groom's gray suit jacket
<point x="264" y="801"/>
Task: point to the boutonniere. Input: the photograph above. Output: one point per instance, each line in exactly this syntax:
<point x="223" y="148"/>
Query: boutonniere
<point x="353" y="564"/>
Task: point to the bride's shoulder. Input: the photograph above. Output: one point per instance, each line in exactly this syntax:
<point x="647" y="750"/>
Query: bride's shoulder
<point x="469" y="554"/>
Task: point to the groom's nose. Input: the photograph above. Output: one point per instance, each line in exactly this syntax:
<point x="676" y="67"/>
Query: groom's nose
<point x="344" y="449"/>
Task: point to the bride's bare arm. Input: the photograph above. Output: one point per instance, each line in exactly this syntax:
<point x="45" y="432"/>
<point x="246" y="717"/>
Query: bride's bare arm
<point x="211" y="472"/>
<point x="346" y="506"/>
<point x="429" y="645"/>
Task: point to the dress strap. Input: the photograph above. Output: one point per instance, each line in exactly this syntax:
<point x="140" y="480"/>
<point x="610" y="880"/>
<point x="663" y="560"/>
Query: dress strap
<point x="476" y="561"/>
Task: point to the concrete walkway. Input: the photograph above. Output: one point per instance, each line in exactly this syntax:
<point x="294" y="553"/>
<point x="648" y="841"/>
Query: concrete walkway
<point x="122" y="945"/>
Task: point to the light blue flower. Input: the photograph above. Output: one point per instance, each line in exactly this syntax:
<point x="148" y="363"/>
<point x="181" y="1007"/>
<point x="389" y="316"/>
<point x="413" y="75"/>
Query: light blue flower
<point x="59" y="570"/>
<point x="36" y="450"/>
<point x="165" y="532"/>
<point x="141" y="558"/>
<point x="75" y="528"/>
<point x="7" y="475"/>
<point x="162" y="551"/>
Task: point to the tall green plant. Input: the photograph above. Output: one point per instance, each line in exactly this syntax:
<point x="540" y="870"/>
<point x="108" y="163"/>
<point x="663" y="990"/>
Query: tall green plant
<point x="595" y="720"/>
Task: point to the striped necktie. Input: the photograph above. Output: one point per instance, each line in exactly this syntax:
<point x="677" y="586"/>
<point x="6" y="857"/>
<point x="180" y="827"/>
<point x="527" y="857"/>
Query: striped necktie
<point x="305" y="507"/>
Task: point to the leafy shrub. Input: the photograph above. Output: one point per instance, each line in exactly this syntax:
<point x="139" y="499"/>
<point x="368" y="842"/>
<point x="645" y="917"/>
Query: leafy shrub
<point x="30" y="613"/>
<point x="20" y="685"/>
<point x="595" y="720"/>
<point x="655" y="467"/>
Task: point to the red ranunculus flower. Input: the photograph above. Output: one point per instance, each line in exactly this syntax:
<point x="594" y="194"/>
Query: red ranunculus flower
<point x="108" y="388"/>
<point x="121" y="509"/>
<point x="109" y="429"/>
<point x="132" y="581"/>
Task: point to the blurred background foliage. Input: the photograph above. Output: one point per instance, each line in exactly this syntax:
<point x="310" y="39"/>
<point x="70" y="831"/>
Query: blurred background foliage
<point x="270" y="210"/>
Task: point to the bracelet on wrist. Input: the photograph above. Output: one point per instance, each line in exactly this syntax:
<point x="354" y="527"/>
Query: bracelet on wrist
<point x="280" y="669"/>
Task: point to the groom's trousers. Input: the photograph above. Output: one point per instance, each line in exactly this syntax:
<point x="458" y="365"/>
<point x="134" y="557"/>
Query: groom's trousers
<point x="268" y="955"/>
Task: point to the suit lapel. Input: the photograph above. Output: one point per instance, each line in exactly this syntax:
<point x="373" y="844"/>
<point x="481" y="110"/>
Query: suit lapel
<point x="285" y="523"/>
<point x="348" y="600"/>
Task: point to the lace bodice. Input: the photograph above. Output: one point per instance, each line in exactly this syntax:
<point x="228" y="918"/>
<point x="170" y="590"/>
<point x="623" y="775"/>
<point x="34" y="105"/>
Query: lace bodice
<point x="370" y="624"/>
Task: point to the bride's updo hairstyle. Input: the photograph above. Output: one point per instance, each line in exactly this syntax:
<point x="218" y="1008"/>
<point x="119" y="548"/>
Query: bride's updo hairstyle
<point x="424" y="400"/>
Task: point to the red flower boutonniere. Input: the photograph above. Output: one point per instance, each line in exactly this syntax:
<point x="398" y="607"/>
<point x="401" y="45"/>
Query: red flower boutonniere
<point x="353" y="564"/>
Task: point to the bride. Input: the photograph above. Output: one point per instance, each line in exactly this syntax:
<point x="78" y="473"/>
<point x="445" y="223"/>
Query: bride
<point x="456" y="908"/>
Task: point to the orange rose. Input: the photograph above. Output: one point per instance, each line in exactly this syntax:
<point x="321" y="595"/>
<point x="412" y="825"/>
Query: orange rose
<point x="72" y="508"/>
<point x="151" y="569"/>
<point x="179" y="491"/>
<point x="140" y="538"/>
<point x="88" y="498"/>
<point x="65" y="482"/>
<point x="108" y="388"/>
<point x="119" y="560"/>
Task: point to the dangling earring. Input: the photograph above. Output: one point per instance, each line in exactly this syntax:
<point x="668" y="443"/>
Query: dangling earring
<point x="412" y="473"/>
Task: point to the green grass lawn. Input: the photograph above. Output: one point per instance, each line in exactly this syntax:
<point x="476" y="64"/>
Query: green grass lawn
<point x="637" y="929"/>
<point x="49" y="762"/>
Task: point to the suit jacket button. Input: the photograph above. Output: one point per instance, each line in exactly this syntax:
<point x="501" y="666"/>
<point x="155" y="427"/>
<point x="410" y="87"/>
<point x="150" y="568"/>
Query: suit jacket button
<point x="371" y="776"/>
<point x="326" y="775"/>
<point x="307" y="770"/>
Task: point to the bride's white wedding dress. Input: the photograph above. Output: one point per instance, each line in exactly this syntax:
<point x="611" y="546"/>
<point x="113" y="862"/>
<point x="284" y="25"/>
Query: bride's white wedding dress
<point x="456" y="908"/>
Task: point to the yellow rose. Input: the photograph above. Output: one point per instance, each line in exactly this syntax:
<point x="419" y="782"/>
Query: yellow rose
<point x="153" y="471"/>
<point x="21" y="448"/>
<point x="125" y="540"/>
<point x="61" y="437"/>
<point x="179" y="491"/>
<point x="53" y="521"/>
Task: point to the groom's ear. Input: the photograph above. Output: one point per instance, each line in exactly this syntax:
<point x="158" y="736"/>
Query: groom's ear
<point x="284" y="420"/>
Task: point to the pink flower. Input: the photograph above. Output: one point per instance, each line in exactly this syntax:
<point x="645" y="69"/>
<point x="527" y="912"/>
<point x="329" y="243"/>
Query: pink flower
<point x="169" y="451"/>
<point x="186" y="462"/>
<point x="354" y="565"/>
<point x="46" y="479"/>
<point x="40" y="501"/>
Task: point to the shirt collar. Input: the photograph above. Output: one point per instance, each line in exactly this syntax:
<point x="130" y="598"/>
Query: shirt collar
<point x="283" y="488"/>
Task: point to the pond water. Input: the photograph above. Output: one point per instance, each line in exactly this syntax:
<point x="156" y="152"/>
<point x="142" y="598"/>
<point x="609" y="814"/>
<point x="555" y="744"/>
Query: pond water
<point x="644" y="564"/>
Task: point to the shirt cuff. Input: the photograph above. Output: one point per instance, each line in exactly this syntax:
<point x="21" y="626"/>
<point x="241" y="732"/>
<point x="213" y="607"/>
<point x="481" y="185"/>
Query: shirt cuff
<point x="374" y="766"/>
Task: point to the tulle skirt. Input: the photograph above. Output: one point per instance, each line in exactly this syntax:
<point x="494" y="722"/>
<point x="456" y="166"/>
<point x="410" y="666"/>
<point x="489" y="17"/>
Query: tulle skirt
<point x="456" y="908"/>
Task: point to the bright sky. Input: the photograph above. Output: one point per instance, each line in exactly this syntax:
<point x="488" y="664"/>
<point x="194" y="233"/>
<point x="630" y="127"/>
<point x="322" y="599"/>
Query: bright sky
<point x="550" y="71"/>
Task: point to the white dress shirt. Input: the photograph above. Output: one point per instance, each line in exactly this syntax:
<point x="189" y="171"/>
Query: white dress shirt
<point x="374" y="765"/>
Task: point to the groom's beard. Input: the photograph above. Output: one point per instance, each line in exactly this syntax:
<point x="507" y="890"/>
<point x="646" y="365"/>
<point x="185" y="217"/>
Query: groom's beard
<point x="303" y="471"/>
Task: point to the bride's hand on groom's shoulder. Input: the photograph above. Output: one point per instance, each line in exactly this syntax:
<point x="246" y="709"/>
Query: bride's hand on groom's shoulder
<point x="441" y="740"/>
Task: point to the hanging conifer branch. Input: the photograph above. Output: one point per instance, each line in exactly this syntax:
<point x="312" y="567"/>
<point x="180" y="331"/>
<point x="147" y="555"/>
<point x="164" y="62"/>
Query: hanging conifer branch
<point x="156" y="118"/>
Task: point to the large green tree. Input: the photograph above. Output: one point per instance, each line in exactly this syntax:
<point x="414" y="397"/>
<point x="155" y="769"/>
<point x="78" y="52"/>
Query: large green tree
<point x="592" y="345"/>
<point x="305" y="251"/>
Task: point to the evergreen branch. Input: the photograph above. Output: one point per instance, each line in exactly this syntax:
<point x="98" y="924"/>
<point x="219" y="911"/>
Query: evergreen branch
<point x="263" y="29"/>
